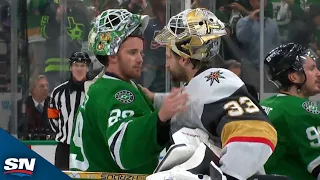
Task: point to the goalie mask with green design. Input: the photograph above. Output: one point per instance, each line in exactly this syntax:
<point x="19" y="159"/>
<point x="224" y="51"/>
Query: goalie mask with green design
<point x="112" y="27"/>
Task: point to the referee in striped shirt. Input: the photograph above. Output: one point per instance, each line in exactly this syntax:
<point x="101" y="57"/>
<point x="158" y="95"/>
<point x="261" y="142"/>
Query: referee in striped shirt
<point x="64" y="102"/>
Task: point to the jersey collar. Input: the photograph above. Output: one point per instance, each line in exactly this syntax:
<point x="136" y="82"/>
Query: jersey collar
<point x="201" y="70"/>
<point x="197" y="73"/>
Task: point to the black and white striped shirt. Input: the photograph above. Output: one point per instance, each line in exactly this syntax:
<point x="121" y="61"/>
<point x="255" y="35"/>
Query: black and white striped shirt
<point x="64" y="102"/>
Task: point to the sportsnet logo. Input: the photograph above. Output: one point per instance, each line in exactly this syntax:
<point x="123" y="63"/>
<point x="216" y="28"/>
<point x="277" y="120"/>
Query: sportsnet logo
<point x="19" y="166"/>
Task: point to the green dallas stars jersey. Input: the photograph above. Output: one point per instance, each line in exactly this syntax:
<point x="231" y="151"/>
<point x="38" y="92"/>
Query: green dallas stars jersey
<point x="115" y="130"/>
<point x="297" y="122"/>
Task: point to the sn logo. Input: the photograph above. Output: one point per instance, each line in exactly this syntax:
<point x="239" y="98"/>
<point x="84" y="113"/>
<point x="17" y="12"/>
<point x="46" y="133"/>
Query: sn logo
<point x="19" y="166"/>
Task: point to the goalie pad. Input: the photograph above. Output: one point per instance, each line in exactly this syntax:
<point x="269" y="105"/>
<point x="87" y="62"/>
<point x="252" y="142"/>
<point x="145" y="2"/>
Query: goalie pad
<point x="177" y="154"/>
<point x="177" y="174"/>
<point x="196" y="167"/>
<point x="189" y="136"/>
<point x="200" y="160"/>
<point x="186" y="141"/>
<point x="216" y="173"/>
<point x="193" y="137"/>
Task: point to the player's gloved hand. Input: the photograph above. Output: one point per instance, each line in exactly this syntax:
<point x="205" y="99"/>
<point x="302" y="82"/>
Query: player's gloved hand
<point x="175" y="102"/>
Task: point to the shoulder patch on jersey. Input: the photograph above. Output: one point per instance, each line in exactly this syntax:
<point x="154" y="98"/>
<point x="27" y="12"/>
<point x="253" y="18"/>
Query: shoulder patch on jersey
<point x="214" y="76"/>
<point x="311" y="107"/>
<point x="124" y="96"/>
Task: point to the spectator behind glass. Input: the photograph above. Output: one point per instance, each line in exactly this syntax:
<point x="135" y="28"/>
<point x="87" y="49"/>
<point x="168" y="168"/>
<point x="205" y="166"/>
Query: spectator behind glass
<point x="235" y="67"/>
<point x="223" y="15"/>
<point x="307" y="30"/>
<point x="248" y="33"/>
<point x="95" y="7"/>
<point x="37" y="50"/>
<point x="76" y="29"/>
<point x="154" y="72"/>
<point x="232" y="7"/>
<point x="314" y="13"/>
<point x="36" y="109"/>
<point x="134" y="6"/>
<point x="285" y="12"/>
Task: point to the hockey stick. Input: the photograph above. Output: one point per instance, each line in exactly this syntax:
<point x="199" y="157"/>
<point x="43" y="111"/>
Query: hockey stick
<point x="104" y="175"/>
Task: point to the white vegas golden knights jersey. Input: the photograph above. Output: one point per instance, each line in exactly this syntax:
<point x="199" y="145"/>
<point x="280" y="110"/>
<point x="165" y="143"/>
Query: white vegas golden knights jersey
<point x="220" y="104"/>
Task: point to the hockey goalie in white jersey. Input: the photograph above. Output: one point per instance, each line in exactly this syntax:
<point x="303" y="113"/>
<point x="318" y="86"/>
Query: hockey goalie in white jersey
<point x="220" y="109"/>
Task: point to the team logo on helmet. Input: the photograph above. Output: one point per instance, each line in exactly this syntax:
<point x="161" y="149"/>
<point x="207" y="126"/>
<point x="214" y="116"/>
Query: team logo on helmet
<point x="214" y="76"/>
<point x="311" y="107"/>
<point x="111" y="28"/>
<point x="124" y="96"/>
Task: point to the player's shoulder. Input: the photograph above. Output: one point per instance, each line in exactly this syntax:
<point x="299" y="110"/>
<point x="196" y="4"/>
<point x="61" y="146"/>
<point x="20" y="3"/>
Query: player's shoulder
<point x="292" y="105"/>
<point x="272" y="104"/>
<point x="107" y="86"/>
<point x="216" y="83"/>
<point x="284" y="100"/>
<point x="269" y="99"/>
<point x="219" y="77"/>
<point x="216" y="79"/>
<point x="311" y="107"/>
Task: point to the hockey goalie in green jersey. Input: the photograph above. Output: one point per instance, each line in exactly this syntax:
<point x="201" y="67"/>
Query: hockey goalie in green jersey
<point x="116" y="128"/>
<point x="294" y="71"/>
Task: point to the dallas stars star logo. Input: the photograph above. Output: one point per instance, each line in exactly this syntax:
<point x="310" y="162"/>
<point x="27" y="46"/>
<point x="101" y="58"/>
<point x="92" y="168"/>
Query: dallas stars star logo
<point x="124" y="96"/>
<point x="214" y="76"/>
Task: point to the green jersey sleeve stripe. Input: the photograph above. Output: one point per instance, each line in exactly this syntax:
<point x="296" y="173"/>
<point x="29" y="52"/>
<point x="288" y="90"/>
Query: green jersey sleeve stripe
<point x="115" y="143"/>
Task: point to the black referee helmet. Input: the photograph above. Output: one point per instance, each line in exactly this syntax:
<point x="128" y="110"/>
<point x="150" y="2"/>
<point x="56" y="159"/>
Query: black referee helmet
<point x="82" y="57"/>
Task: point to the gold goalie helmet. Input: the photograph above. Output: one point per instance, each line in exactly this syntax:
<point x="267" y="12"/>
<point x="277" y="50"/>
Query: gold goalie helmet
<point x="193" y="33"/>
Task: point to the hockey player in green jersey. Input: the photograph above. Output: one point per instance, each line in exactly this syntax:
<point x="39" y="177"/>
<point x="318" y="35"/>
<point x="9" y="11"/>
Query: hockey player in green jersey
<point x="116" y="128"/>
<point x="294" y="71"/>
